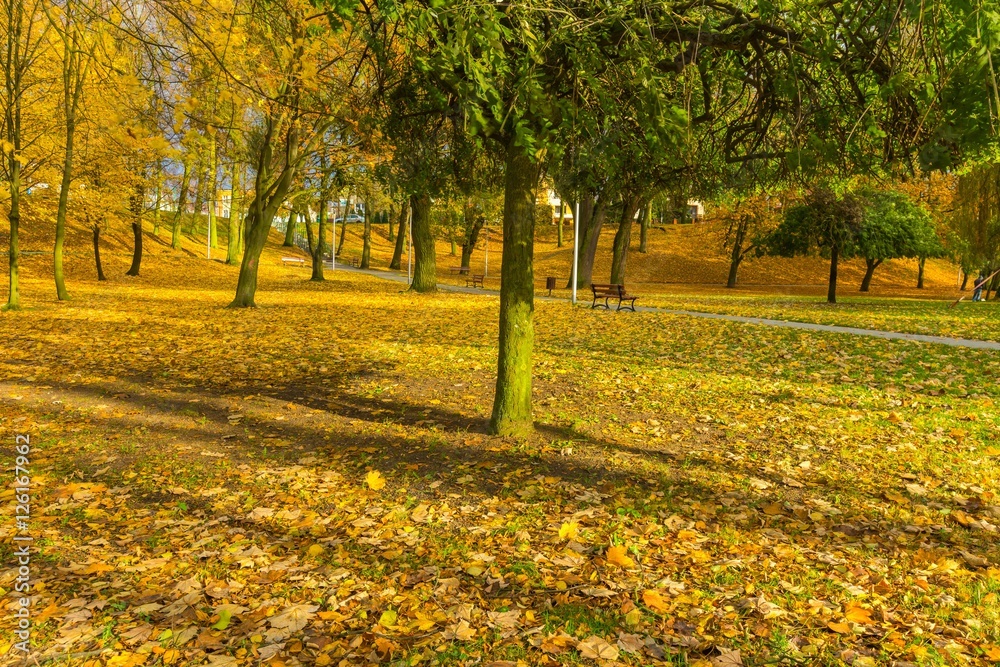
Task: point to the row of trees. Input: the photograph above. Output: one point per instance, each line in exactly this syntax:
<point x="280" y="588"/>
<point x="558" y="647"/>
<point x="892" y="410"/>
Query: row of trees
<point x="624" y="107"/>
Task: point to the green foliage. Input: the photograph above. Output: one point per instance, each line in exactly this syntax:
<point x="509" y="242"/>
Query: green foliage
<point x="825" y="221"/>
<point x="895" y="227"/>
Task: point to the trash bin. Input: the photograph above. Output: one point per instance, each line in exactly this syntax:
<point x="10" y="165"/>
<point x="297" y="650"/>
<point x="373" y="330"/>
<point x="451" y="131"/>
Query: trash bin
<point x="550" y="284"/>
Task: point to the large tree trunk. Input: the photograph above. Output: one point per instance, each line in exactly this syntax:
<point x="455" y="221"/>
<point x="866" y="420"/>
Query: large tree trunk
<point x="644" y="227"/>
<point x="920" y="272"/>
<point x="424" y="260"/>
<point x="623" y="239"/>
<point x="397" y="252"/>
<point x="870" y="266"/>
<point x="136" y="250"/>
<point x="175" y="241"/>
<point x="257" y="224"/>
<point x="472" y="229"/>
<point x="512" y="400"/>
<point x="831" y="293"/>
<point x="592" y="213"/>
<point x="97" y="252"/>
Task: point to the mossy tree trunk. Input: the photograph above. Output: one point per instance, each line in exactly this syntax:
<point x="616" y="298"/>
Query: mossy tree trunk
<point x="623" y="239"/>
<point x="424" y="255"/>
<point x="14" y="248"/>
<point x="512" y="400"/>
<point x="290" y="229"/>
<point x="397" y="252"/>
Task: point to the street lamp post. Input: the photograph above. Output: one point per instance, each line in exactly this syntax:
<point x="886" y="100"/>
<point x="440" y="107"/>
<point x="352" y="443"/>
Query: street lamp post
<point x="576" y="246"/>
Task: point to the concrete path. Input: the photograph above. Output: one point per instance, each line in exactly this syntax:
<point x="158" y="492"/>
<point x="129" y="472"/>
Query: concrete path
<point x="808" y="326"/>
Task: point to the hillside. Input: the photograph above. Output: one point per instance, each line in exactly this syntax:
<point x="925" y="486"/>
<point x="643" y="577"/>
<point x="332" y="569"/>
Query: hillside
<point x="680" y="259"/>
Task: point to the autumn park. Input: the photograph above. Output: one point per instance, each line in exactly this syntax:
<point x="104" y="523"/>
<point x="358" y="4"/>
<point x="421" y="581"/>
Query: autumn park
<point x="500" y="333"/>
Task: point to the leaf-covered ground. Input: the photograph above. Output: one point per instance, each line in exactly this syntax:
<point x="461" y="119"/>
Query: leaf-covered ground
<point x="310" y="483"/>
<point x="980" y="321"/>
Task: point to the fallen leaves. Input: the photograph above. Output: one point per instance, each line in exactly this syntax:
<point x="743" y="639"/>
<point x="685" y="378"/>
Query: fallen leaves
<point x="618" y="555"/>
<point x="375" y="480"/>
<point x="596" y="648"/>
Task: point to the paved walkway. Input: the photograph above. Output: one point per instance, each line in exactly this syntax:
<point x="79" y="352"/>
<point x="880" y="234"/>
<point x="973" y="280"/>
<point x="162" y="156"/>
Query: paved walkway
<point x="808" y="326"/>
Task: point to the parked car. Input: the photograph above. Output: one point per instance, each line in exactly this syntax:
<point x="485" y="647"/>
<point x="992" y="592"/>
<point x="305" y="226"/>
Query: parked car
<point x="351" y="218"/>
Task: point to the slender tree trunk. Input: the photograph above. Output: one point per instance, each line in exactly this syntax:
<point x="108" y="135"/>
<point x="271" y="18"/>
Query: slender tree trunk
<point x="623" y="239"/>
<point x="644" y="227"/>
<point x="136" y="250"/>
<point x="14" y="249"/>
<point x="199" y="199"/>
<point x="67" y="174"/>
<point x="388" y="219"/>
<point x="159" y="192"/>
<point x="473" y="226"/>
<point x="559" y="225"/>
<point x="234" y="223"/>
<point x="870" y="266"/>
<point x="318" y="249"/>
<point x="213" y="193"/>
<point x="965" y="280"/>
<point x="343" y="233"/>
<point x="512" y="400"/>
<point x="424" y="260"/>
<point x="454" y="247"/>
<point x="290" y="230"/>
<point x="920" y="272"/>
<point x="397" y="252"/>
<point x="831" y="293"/>
<point x="97" y="252"/>
<point x="175" y="241"/>
<point x="366" y="248"/>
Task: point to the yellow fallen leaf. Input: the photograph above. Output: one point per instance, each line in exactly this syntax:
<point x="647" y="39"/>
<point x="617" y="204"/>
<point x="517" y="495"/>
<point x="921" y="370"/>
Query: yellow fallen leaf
<point x="375" y="480"/>
<point x="618" y="556"/>
<point x="655" y="601"/>
<point x="773" y="509"/>
<point x="855" y="613"/>
<point x="992" y="653"/>
<point x="387" y="619"/>
<point x="842" y="628"/>
<point x="686" y="534"/>
<point x="315" y="550"/>
<point x="568" y="530"/>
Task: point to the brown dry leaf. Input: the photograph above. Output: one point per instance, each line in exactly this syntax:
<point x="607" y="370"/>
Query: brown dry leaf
<point x="595" y="648"/>
<point x="728" y="659"/>
<point x="630" y="643"/>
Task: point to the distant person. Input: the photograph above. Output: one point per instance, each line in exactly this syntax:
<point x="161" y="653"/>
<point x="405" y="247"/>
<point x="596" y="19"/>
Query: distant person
<point x="977" y="294"/>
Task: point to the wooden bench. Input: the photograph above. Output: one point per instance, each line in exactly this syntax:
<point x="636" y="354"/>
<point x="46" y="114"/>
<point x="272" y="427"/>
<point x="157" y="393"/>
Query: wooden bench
<point x="608" y="292"/>
<point x="475" y="280"/>
<point x="297" y="261"/>
<point x="463" y="270"/>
